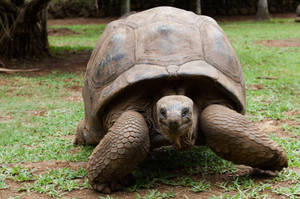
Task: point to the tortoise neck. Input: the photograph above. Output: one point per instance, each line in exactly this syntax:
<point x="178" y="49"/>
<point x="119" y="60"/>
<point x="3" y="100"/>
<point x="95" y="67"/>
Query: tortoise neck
<point x="173" y="91"/>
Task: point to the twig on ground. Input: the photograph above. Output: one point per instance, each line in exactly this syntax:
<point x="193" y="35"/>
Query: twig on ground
<point x="6" y="70"/>
<point x="266" y="77"/>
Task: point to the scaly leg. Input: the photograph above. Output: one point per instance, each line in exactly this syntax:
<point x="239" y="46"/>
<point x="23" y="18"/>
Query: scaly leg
<point x="125" y="145"/>
<point x="233" y="137"/>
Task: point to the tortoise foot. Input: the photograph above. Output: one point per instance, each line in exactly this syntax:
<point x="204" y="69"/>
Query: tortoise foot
<point x="114" y="185"/>
<point x="233" y="137"/>
<point x="102" y="188"/>
<point x="125" y="145"/>
<point x="263" y="173"/>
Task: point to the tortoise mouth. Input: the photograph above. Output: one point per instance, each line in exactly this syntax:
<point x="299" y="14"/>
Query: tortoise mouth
<point x="173" y="132"/>
<point x="179" y="129"/>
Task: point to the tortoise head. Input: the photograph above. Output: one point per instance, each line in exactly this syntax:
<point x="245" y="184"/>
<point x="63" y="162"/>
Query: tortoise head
<point x="176" y="117"/>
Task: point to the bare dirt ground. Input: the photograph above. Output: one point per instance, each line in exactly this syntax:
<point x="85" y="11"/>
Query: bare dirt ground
<point x="73" y="21"/>
<point x="280" y="43"/>
<point x="61" y="31"/>
<point x="181" y="192"/>
<point x="67" y="62"/>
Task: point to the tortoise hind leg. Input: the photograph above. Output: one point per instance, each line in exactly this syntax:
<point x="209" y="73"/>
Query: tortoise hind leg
<point x="231" y="136"/>
<point x="125" y="145"/>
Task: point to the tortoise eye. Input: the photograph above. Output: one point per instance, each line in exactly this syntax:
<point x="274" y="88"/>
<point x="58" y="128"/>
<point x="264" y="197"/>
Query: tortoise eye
<point x="163" y="113"/>
<point x="185" y="112"/>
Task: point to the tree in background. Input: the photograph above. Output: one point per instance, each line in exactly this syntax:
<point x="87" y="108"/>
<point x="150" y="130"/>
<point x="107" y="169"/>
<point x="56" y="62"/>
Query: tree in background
<point x="125" y="7"/>
<point x="23" y="28"/>
<point x="198" y="7"/>
<point x="262" y="10"/>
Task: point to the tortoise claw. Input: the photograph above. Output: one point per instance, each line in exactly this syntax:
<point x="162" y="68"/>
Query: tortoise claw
<point x="103" y="188"/>
<point x="114" y="185"/>
<point x="263" y="173"/>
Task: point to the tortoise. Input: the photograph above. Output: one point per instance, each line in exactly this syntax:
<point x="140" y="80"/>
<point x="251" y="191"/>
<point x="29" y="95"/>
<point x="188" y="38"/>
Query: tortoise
<point x="166" y="77"/>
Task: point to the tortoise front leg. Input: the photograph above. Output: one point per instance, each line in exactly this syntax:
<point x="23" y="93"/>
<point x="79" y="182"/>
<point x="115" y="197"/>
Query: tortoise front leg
<point x="233" y="137"/>
<point x="125" y="145"/>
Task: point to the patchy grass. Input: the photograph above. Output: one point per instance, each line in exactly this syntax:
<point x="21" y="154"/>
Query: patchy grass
<point x="85" y="39"/>
<point x="38" y="116"/>
<point x="55" y="182"/>
<point x="276" y="69"/>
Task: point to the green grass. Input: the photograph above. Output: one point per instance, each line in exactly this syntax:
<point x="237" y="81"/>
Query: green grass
<point x="283" y="64"/>
<point x="154" y="194"/>
<point x="37" y="121"/>
<point x="85" y="39"/>
<point x="55" y="182"/>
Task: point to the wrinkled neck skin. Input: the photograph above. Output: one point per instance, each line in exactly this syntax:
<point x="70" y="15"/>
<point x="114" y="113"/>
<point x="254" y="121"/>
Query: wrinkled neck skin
<point x="192" y="134"/>
<point x="177" y="120"/>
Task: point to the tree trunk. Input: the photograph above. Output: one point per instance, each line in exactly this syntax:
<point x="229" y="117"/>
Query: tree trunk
<point x="125" y="7"/>
<point x="23" y="29"/>
<point x="198" y="7"/>
<point x="262" y="10"/>
<point x="298" y="14"/>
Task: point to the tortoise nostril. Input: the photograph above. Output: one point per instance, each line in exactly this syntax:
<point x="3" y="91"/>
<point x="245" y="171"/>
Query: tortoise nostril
<point x="173" y="124"/>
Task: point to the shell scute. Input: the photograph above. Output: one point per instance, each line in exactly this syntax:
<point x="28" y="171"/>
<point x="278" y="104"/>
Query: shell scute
<point x="164" y="43"/>
<point x="219" y="52"/>
<point x="115" y="55"/>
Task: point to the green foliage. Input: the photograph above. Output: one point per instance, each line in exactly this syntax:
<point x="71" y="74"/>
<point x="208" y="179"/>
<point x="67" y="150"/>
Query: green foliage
<point x="15" y="173"/>
<point x="54" y="182"/>
<point x="154" y="194"/>
<point x="292" y="192"/>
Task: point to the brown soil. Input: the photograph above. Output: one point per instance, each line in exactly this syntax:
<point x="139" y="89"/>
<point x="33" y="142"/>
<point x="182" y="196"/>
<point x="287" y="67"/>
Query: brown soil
<point x="61" y="31"/>
<point x="12" y="191"/>
<point x="41" y="167"/>
<point x="275" y="127"/>
<point x="5" y="118"/>
<point x="75" y="97"/>
<point x="280" y="43"/>
<point x="255" y="87"/>
<point x="67" y="62"/>
<point x="180" y="191"/>
<point x="293" y="113"/>
<point x="4" y="82"/>
<point x="73" y="21"/>
<point x="38" y="113"/>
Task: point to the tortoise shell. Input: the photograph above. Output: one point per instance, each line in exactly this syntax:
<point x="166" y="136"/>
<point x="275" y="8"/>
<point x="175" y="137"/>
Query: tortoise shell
<point x="159" y="43"/>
